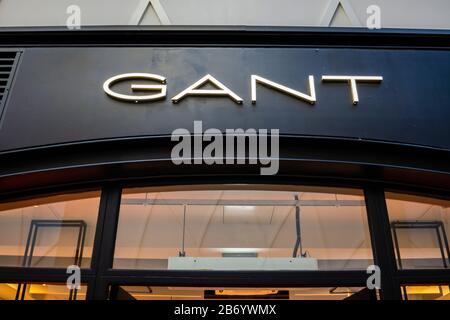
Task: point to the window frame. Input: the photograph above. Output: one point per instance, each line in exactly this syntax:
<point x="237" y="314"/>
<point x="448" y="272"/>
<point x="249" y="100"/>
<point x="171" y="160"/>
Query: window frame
<point x="100" y="276"/>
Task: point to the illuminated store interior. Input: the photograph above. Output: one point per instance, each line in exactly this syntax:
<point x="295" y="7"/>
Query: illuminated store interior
<point x="223" y="228"/>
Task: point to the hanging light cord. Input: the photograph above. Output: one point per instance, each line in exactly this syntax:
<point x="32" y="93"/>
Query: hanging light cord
<point x="298" y="243"/>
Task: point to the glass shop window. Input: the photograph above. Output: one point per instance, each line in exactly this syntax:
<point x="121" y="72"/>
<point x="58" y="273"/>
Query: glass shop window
<point x="419" y="227"/>
<point x="243" y="227"/>
<point x="41" y="291"/>
<point x="55" y="231"/>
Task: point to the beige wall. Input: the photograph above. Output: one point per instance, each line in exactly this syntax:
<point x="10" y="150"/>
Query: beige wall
<point x="430" y="14"/>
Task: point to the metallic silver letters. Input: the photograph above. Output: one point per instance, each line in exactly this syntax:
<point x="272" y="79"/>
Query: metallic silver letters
<point x="135" y="87"/>
<point x="352" y="81"/>
<point x="222" y="90"/>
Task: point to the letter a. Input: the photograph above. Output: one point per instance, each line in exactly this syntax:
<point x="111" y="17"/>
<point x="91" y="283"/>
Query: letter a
<point x="193" y="91"/>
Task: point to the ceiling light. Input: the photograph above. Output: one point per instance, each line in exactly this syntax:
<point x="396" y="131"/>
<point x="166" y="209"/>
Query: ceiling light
<point x="241" y="208"/>
<point x="240" y="250"/>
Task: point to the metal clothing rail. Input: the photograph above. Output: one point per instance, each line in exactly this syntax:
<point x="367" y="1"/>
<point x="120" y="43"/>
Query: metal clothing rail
<point x="439" y="228"/>
<point x="31" y="244"/>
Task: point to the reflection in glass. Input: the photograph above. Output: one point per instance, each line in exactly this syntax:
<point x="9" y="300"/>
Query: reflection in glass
<point x="419" y="227"/>
<point x="240" y="228"/>
<point x="56" y="231"/>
